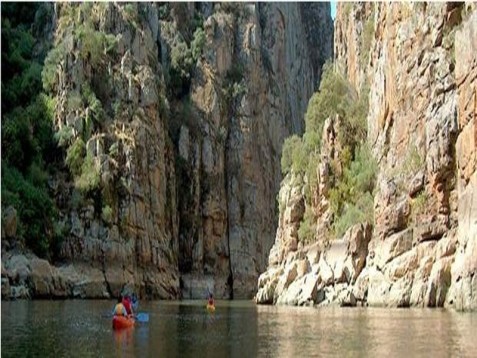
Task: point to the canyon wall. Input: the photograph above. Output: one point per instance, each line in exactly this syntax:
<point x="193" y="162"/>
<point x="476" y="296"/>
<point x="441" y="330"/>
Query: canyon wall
<point x="417" y="62"/>
<point x="177" y="113"/>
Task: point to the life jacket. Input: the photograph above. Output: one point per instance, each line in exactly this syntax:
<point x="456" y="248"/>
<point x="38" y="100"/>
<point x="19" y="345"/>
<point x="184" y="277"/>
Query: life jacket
<point x="127" y="305"/>
<point x="119" y="309"/>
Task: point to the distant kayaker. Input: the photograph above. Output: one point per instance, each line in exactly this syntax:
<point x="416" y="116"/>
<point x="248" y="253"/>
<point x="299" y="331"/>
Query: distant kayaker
<point x="127" y="305"/>
<point x="119" y="309"/>
<point x="210" y="301"/>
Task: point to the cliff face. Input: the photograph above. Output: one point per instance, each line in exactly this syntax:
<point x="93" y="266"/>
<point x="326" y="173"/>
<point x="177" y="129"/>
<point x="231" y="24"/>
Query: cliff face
<point x="270" y="44"/>
<point x="179" y="112"/>
<point x="421" y="130"/>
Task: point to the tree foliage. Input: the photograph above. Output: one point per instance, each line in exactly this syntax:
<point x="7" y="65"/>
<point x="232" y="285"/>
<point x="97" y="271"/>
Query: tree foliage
<point x="351" y="197"/>
<point x="351" y="200"/>
<point x="27" y="131"/>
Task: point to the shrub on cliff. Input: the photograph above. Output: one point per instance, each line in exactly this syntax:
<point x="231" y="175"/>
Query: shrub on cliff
<point x="75" y="156"/>
<point x="291" y="154"/>
<point x="197" y="44"/>
<point x="89" y="178"/>
<point x="351" y="200"/>
<point x="335" y="96"/>
<point x="354" y="175"/>
<point x="307" y="230"/>
<point x="78" y="31"/>
<point x="75" y="25"/>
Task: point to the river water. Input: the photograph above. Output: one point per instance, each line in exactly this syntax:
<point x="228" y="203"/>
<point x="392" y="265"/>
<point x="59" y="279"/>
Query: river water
<point x="82" y="328"/>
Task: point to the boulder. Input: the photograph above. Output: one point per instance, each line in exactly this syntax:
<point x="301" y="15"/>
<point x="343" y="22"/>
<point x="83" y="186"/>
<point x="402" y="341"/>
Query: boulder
<point x="41" y="278"/>
<point x="6" y="290"/>
<point x="267" y="283"/>
<point x="335" y="257"/>
<point x="346" y="298"/>
<point x="439" y="283"/>
<point x="9" y="222"/>
<point x="378" y="288"/>
<point x="309" y="290"/>
<point x="400" y="292"/>
<point x="358" y="238"/>
<point x="289" y="275"/>
<point x="392" y="247"/>
<point x="360" y="287"/>
<point x="303" y="267"/>
<point x="402" y="265"/>
<point x="421" y="277"/>
<point x="325" y="273"/>
<point x="85" y="282"/>
<point x="18" y="268"/>
<point x="313" y="253"/>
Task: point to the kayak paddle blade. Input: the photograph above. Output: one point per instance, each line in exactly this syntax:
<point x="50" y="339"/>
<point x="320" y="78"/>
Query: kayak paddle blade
<point x="142" y="317"/>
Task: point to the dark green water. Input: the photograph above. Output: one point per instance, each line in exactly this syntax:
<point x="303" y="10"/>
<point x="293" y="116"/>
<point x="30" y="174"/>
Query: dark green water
<point x="236" y="329"/>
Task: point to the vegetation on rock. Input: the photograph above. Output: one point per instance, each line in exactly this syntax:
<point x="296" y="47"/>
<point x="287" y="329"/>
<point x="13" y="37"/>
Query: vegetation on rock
<point x="351" y="197"/>
<point x="28" y="144"/>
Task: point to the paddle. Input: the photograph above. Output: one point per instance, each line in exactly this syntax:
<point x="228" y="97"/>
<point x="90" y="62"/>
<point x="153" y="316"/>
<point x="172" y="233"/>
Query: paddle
<point x="142" y="317"/>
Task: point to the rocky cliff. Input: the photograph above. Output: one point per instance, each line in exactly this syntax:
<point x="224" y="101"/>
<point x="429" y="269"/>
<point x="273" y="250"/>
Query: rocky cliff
<point x="418" y="63"/>
<point x="171" y="119"/>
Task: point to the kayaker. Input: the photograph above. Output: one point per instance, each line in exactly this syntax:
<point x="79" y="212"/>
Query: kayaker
<point x="211" y="302"/>
<point x="134" y="302"/>
<point x="127" y="305"/>
<point x="119" y="309"/>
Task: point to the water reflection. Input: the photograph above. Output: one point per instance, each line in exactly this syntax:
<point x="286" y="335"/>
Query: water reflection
<point x="332" y="332"/>
<point x="235" y="329"/>
<point x="123" y="339"/>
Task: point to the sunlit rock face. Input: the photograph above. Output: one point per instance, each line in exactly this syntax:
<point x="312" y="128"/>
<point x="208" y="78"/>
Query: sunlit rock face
<point x="418" y="63"/>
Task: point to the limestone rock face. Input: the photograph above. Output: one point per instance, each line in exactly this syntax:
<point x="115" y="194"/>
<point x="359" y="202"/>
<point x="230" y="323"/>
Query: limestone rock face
<point x="244" y="129"/>
<point x="417" y="60"/>
<point x="136" y="244"/>
<point x="349" y="51"/>
<point x="306" y="276"/>
<point x="184" y="142"/>
<point x="464" y="269"/>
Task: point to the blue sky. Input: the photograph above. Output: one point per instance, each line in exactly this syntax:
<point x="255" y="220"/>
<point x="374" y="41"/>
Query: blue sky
<point x="333" y="9"/>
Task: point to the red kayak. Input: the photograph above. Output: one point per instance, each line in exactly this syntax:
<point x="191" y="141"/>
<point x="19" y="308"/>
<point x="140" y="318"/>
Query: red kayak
<point x="120" y="322"/>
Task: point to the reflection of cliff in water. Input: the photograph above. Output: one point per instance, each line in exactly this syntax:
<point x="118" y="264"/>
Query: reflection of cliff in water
<point x="236" y="329"/>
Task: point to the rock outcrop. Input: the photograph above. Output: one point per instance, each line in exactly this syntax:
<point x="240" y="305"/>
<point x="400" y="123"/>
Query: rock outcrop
<point x="183" y="153"/>
<point x="418" y="63"/>
<point x="464" y="269"/>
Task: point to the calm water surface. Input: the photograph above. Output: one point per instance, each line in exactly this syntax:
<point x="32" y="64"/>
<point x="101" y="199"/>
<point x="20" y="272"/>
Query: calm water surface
<point x="236" y="329"/>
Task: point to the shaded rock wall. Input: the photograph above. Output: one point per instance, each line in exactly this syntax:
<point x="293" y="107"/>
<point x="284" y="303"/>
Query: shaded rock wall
<point x="242" y="133"/>
<point x="187" y="175"/>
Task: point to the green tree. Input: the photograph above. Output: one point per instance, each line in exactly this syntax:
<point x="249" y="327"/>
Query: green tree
<point x="334" y="97"/>
<point x="27" y="131"/>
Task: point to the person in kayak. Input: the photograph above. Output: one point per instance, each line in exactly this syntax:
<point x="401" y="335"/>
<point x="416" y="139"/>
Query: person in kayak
<point x="134" y="302"/>
<point x="119" y="309"/>
<point x="127" y="305"/>
<point x="210" y="301"/>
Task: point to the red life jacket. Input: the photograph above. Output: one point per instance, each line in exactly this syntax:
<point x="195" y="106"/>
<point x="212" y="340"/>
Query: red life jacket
<point x="127" y="305"/>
